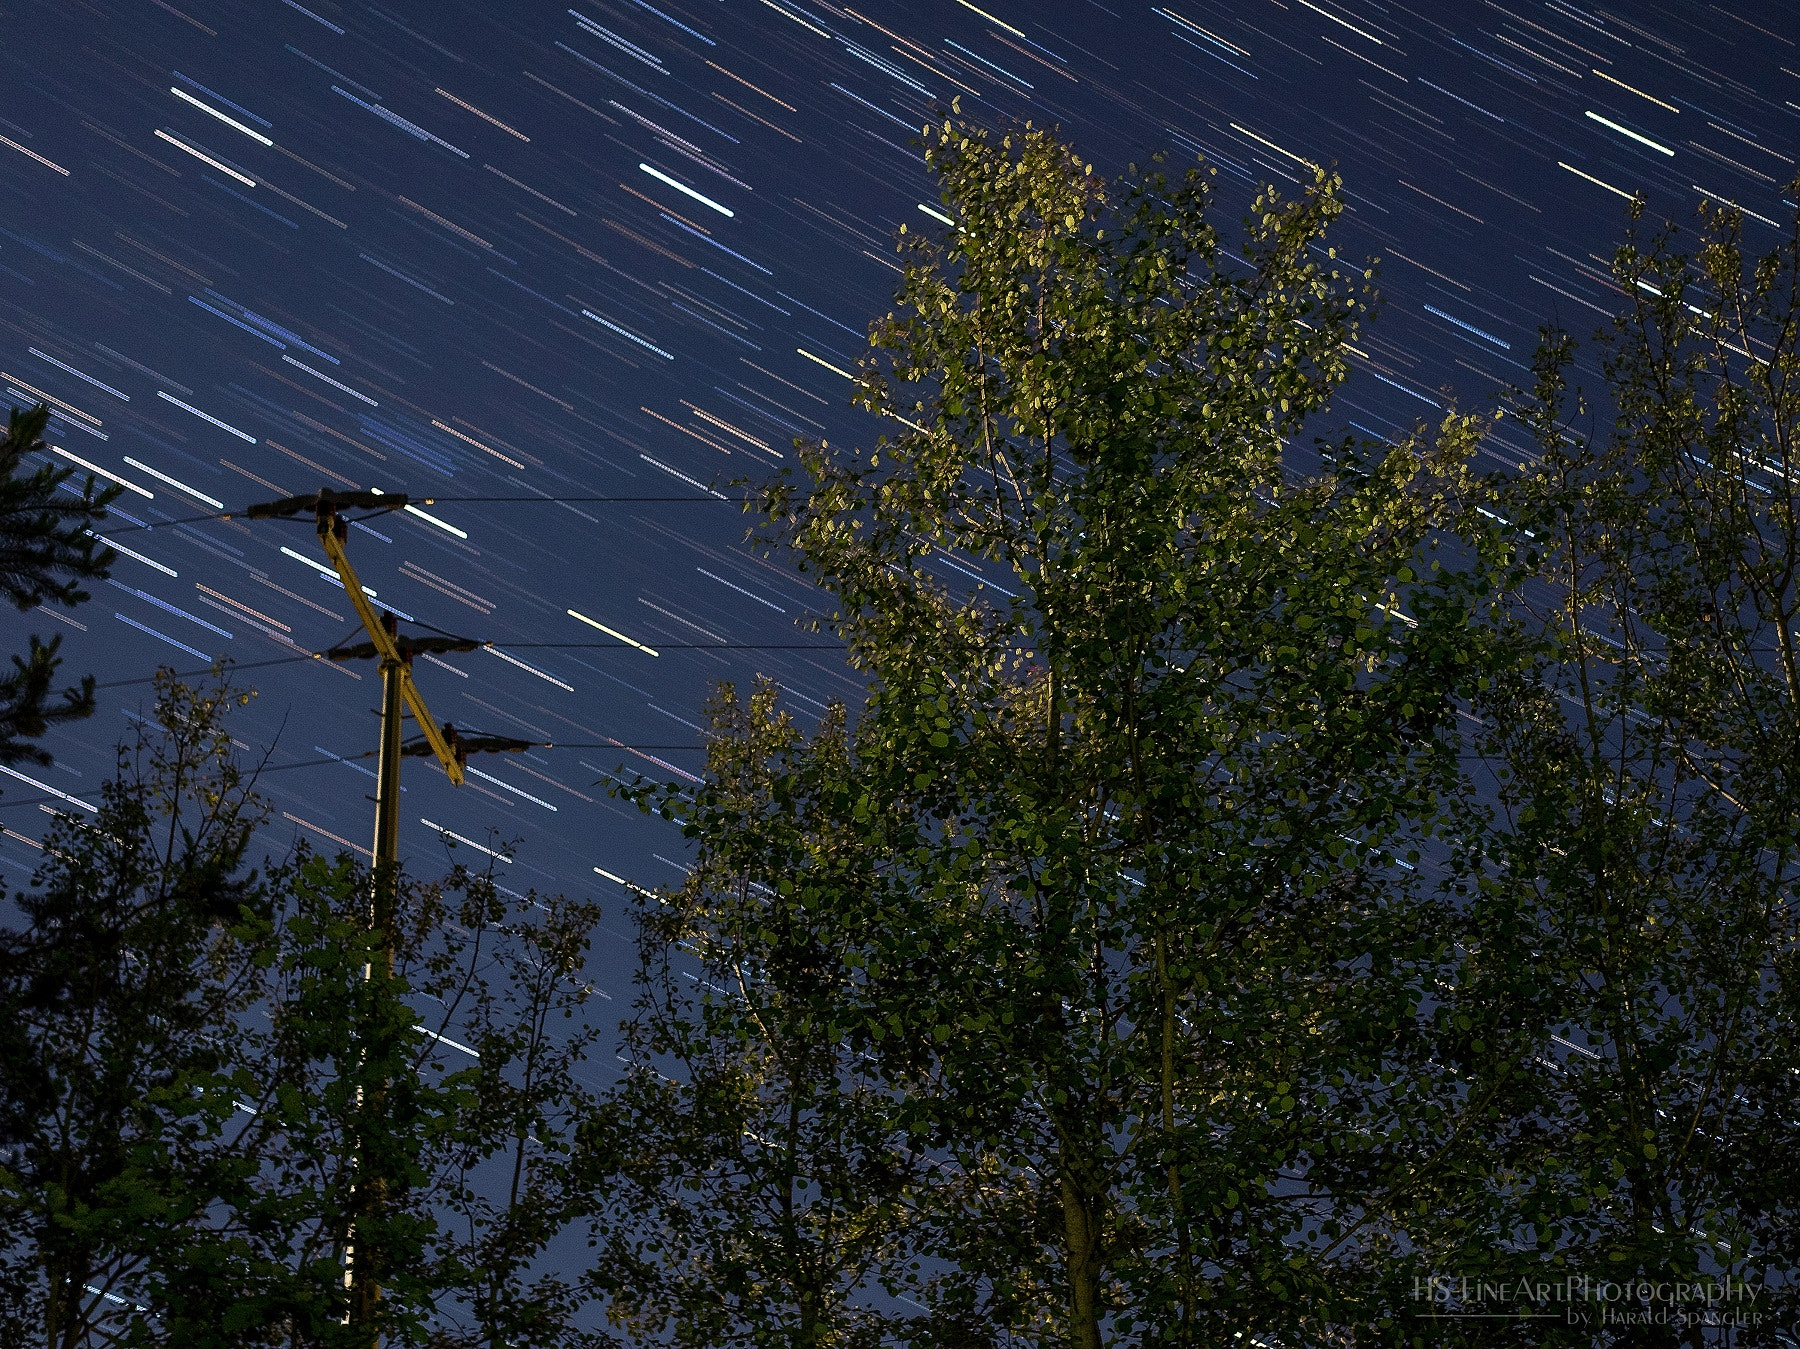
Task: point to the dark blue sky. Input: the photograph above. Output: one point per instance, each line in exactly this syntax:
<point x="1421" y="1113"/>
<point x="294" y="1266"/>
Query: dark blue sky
<point x="251" y="248"/>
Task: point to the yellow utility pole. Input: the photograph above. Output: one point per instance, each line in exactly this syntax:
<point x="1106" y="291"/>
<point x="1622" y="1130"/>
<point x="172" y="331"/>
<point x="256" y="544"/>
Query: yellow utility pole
<point x="398" y="692"/>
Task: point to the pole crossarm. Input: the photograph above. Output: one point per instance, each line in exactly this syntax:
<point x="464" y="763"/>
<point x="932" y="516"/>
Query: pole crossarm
<point x="474" y="744"/>
<point x="386" y="647"/>
<point x="327" y="502"/>
<point x="408" y="648"/>
<point x="395" y="652"/>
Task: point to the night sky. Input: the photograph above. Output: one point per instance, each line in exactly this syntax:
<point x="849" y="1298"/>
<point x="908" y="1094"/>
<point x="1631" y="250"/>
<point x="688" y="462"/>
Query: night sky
<point x="514" y="250"/>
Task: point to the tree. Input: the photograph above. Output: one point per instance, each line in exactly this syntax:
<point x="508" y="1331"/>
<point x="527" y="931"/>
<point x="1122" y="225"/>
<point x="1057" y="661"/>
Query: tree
<point x="751" y="1174"/>
<point x="1137" y="958"/>
<point x="47" y="549"/>
<point x="421" y="1111"/>
<point x="116" y="999"/>
<point x="1631" y="934"/>
<point x="514" y="1184"/>
<point x="188" y="1132"/>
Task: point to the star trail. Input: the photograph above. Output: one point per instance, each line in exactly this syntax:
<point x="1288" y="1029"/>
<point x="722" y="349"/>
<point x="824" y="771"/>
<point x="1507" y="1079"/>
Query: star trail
<point x="572" y="273"/>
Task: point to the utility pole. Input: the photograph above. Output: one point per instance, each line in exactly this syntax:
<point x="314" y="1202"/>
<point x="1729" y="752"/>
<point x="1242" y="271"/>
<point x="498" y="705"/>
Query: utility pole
<point x="362" y="1259"/>
<point x="394" y="670"/>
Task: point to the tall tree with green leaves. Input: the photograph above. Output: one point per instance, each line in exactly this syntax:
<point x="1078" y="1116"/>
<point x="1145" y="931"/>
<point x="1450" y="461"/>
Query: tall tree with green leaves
<point x="1158" y="712"/>
<point x="47" y="550"/>
<point x="752" y="1176"/>
<point x="1631" y="925"/>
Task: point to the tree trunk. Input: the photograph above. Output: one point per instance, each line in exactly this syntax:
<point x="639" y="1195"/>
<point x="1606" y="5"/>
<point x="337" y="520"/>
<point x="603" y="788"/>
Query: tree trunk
<point x="63" y="1321"/>
<point x="1081" y="1226"/>
<point x="1183" y="1236"/>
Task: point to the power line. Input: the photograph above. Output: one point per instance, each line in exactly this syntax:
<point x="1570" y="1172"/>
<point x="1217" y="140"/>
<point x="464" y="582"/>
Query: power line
<point x="504" y="646"/>
<point x="672" y="646"/>
<point x="532" y="744"/>
<point x="660" y="646"/>
<point x="265" y="768"/>
<point x="608" y="744"/>
<point x="555" y="501"/>
<point x="370" y="754"/>
<point x="459" y="501"/>
<point x="195" y="674"/>
<point x="160" y="524"/>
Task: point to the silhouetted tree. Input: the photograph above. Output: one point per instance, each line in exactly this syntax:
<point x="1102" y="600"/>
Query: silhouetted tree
<point x="47" y="550"/>
<point x="189" y="1134"/>
<point x="118" y="1001"/>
